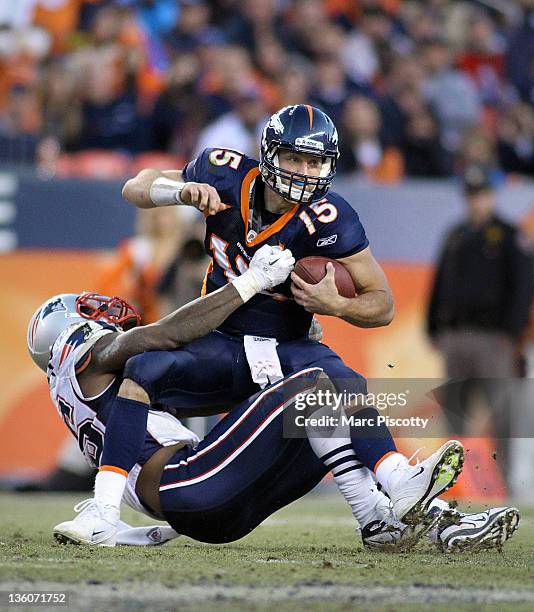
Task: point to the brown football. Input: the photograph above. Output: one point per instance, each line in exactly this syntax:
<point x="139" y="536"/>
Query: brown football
<point x="313" y="269"/>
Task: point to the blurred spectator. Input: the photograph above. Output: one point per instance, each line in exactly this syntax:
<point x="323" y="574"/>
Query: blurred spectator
<point x="367" y="52"/>
<point x="192" y="27"/>
<point x="240" y="129"/>
<point x="179" y="112"/>
<point x="255" y="21"/>
<point x="295" y="83"/>
<point x="361" y="148"/>
<point x="422" y="151"/>
<point x="231" y="72"/>
<point x="451" y="93"/>
<point x="480" y="302"/>
<point x="103" y="71"/>
<point x="520" y="54"/>
<point x="483" y="57"/>
<point x="478" y="148"/>
<point x="182" y="281"/>
<point x="403" y="97"/>
<point x="136" y="270"/>
<point x="133" y="75"/>
<point x="304" y="26"/>
<point x="20" y="125"/>
<point x="332" y="88"/>
<point x="515" y="143"/>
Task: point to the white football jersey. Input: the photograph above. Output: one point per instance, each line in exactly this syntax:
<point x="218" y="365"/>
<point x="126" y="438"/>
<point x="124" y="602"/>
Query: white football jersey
<point x="79" y="413"/>
<point x="86" y="416"/>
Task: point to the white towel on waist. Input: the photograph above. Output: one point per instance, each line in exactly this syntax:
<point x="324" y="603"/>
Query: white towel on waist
<point x="263" y="360"/>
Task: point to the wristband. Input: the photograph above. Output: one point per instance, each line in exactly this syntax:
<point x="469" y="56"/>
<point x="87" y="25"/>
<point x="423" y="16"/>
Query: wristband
<point x="247" y="285"/>
<point x="166" y="192"/>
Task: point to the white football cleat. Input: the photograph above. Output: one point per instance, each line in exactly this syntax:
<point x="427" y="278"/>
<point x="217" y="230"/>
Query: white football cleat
<point x="95" y="525"/>
<point x="390" y="534"/>
<point x="459" y="532"/>
<point x="413" y="487"/>
<point x="387" y="533"/>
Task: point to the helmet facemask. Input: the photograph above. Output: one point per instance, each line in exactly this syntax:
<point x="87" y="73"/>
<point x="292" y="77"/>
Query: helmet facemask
<point x="294" y="186"/>
<point x="113" y="310"/>
<point x="62" y="311"/>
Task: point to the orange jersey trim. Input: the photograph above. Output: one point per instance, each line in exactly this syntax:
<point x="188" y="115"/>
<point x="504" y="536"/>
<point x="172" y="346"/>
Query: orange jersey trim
<point x="87" y="361"/>
<point x="382" y="459"/>
<point x="272" y="229"/>
<point x="205" y="281"/>
<point x="112" y="468"/>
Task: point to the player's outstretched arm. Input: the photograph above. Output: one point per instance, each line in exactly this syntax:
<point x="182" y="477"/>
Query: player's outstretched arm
<point x="372" y="307"/>
<point x="269" y="267"/>
<point x="153" y="188"/>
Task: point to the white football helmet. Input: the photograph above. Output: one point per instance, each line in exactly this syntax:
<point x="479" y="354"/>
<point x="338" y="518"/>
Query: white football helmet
<point x="66" y="309"/>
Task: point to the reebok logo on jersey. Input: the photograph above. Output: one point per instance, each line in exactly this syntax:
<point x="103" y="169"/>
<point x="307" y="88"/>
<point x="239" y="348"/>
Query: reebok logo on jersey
<point x="327" y="241"/>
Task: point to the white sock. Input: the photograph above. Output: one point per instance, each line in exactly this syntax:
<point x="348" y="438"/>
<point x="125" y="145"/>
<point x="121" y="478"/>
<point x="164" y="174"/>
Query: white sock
<point x="353" y="479"/>
<point x="387" y="466"/>
<point x="334" y="448"/>
<point x="109" y="487"/>
<point x="144" y="536"/>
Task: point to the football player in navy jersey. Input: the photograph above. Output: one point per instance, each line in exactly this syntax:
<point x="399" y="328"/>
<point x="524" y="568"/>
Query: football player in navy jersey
<point x="284" y="200"/>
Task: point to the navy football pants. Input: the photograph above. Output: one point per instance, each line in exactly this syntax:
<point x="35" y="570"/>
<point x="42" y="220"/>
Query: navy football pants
<point x="212" y="372"/>
<point x="243" y="471"/>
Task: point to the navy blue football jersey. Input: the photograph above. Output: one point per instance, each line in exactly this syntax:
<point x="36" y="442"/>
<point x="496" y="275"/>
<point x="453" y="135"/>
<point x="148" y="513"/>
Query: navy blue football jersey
<point x="328" y="228"/>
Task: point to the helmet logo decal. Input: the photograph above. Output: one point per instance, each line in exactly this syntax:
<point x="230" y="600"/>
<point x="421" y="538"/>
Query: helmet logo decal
<point x="276" y="124"/>
<point x="54" y="306"/>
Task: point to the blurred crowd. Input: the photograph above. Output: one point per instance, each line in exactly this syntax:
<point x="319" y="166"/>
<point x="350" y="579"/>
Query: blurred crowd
<point x="417" y="88"/>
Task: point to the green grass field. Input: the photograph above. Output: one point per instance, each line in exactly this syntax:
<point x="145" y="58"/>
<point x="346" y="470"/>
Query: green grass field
<point x="305" y="556"/>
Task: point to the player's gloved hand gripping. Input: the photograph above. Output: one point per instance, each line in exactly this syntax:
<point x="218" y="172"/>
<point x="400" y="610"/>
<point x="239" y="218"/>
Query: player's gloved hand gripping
<point x="269" y="267"/>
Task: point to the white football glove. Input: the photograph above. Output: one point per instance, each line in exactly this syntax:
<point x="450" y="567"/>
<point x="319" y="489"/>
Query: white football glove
<point x="269" y="267"/>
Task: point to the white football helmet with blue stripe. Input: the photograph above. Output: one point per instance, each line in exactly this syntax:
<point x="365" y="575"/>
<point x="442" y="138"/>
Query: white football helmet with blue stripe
<point x="48" y="321"/>
<point x="66" y="309"/>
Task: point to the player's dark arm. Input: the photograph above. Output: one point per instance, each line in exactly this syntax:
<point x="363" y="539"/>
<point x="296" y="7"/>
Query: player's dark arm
<point x="154" y="188"/>
<point x="269" y="267"/>
<point x="188" y="323"/>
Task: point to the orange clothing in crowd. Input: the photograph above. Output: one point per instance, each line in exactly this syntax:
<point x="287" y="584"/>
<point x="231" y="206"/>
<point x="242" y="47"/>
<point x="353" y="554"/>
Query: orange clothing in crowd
<point x="60" y="19"/>
<point x="390" y="169"/>
<point x="134" y="277"/>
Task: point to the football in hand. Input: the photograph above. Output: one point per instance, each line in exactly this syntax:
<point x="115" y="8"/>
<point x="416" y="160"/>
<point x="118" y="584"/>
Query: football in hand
<point x="313" y="269"/>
